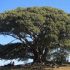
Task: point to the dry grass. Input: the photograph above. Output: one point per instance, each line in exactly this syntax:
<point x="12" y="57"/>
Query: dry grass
<point x="59" y="68"/>
<point x="37" y="68"/>
<point x="62" y="68"/>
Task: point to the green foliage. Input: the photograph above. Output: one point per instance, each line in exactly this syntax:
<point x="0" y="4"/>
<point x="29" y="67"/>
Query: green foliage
<point x="46" y="26"/>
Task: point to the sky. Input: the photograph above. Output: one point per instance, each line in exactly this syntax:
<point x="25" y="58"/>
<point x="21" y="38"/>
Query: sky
<point x="5" y="39"/>
<point x="12" y="4"/>
<point x="16" y="61"/>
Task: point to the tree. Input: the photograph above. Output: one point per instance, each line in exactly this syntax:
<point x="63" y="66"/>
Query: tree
<point x="46" y="27"/>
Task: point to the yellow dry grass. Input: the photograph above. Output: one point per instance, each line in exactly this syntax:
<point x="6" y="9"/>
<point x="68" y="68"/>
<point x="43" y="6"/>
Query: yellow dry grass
<point x="59" y="68"/>
<point x="62" y="68"/>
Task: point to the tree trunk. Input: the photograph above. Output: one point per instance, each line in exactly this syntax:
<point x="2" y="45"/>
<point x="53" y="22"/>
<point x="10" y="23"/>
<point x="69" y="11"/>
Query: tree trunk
<point x="37" y="57"/>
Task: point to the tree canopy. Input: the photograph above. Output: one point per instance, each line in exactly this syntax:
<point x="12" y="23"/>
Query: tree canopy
<point x="47" y="27"/>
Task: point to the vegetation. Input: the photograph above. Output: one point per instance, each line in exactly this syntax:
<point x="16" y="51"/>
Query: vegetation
<point x="47" y="27"/>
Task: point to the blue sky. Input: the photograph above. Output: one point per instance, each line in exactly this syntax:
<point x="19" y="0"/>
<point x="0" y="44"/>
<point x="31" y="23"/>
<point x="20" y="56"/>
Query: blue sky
<point x="13" y="4"/>
<point x="5" y="39"/>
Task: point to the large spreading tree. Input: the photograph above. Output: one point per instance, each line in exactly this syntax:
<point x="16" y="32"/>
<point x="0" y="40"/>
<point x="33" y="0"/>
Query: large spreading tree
<point x="47" y="27"/>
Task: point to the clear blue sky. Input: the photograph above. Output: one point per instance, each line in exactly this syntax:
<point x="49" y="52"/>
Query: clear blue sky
<point x="12" y="4"/>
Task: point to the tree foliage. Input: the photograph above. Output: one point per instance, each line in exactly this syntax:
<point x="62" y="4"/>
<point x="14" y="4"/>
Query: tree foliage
<point x="46" y="26"/>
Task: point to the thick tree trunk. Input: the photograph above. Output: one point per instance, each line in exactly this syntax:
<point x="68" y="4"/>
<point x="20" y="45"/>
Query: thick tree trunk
<point x="37" y="57"/>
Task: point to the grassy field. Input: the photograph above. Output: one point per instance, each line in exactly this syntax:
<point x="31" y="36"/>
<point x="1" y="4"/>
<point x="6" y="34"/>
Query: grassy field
<point x="36" y="67"/>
